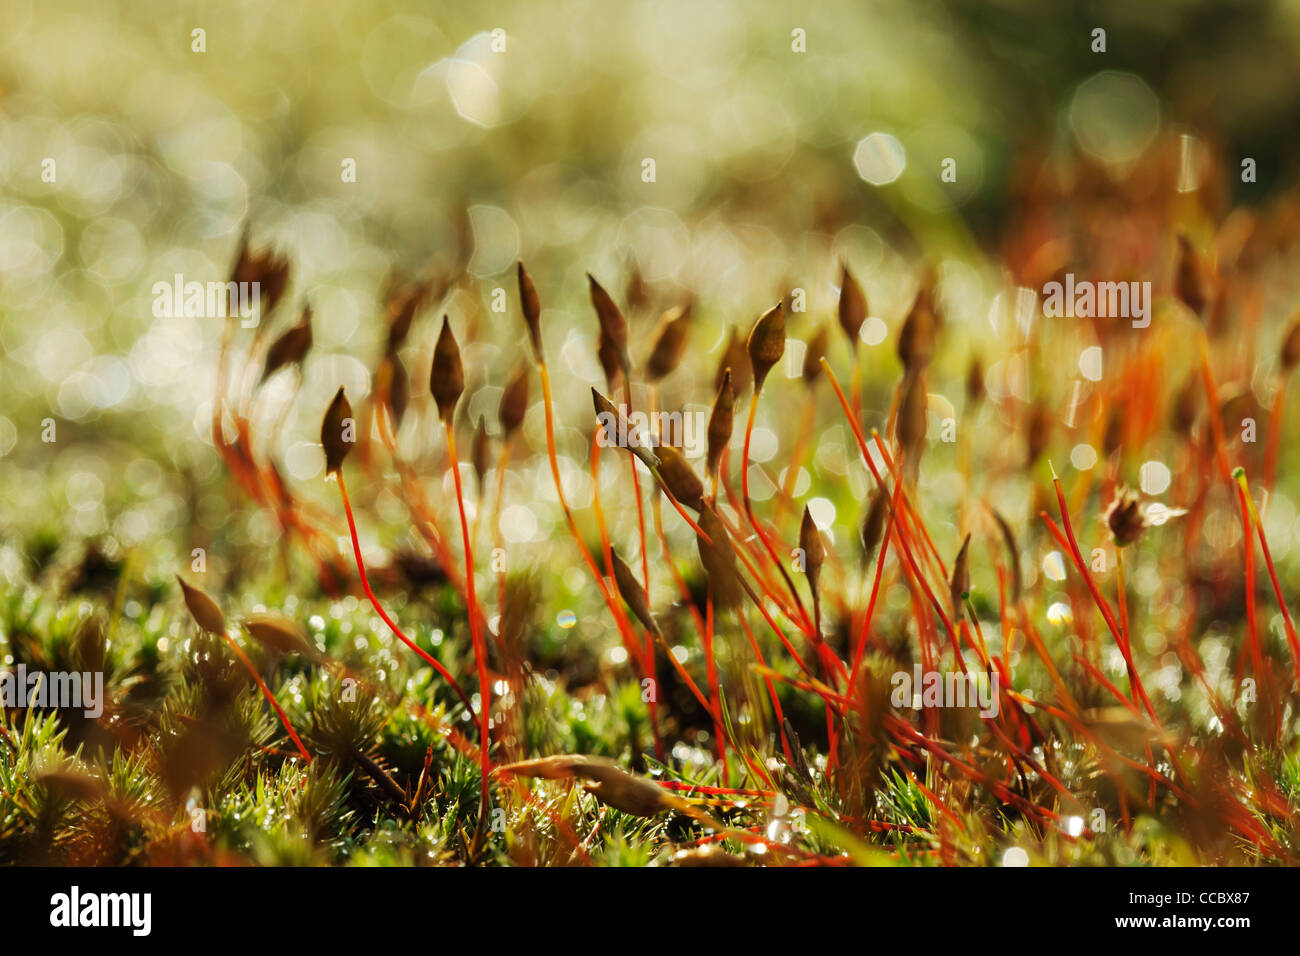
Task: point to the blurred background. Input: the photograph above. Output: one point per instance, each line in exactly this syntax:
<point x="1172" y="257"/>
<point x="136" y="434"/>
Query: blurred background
<point x="781" y="139"/>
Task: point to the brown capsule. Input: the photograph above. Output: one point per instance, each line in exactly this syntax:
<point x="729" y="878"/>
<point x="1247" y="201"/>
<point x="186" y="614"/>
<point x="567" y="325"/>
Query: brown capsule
<point x="607" y="414"/>
<point x="514" y="402"/>
<point x="735" y="360"/>
<point x="205" y="611"/>
<point x="975" y="382"/>
<point x="719" y="559"/>
<point x="636" y="294"/>
<point x="911" y="425"/>
<point x="1123" y="730"/>
<point x="1127" y="516"/>
<point x="618" y="431"/>
<point x="290" y="347"/>
<point x="417" y="570"/>
<point x="1193" y="280"/>
<point x="447" y="377"/>
<point x="929" y="282"/>
<point x="555" y="767"/>
<point x="279" y="634"/>
<point x="1237" y="403"/>
<point x="337" y="432"/>
<point x="90" y="643"/>
<point x="621" y="790"/>
<point x="916" y="338"/>
<point x="613" y="328"/>
<point x="1187" y="405"/>
<point x="1038" y="432"/>
<point x="263" y="268"/>
<point x="404" y="303"/>
<point x="479" y="452"/>
<point x="766" y="343"/>
<point x="1290" y="352"/>
<point x="670" y="343"/>
<point x="532" y="309"/>
<point x="71" y="784"/>
<point x="1112" y="438"/>
<point x="610" y="784"/>
<point x="680" y="478"/>
<point x="853" y="305"/>
<point x="610" y="362"/>
<point x="814" y="549"/>
<point x="393" y="386"/>
<point x="721" y="422"/>
<point x="959" y="585"/>
<point x="1124" y="517"/>
<point x="632" y="591"/>
<point x="813" y="354"/>
<point x="873" y="525"/>
<point x="1012" y="551"/>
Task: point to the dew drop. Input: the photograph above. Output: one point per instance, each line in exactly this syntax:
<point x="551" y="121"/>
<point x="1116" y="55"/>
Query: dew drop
<point x="1015" y="856"/>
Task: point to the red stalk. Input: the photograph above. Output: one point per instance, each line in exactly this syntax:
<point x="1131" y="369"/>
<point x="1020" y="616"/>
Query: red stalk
<point x="915" y="518"/>
<point x="807" y="625"/>
<point x="678" y="580"/>
<point x="640" y="507"/>
<point x="771" y="688"/>
<point x="875" y="473"/>
<point x="711" y="669"/>
<point x="1121" y="596"/>
<point x="1248" y="557"/>
<point x="871" y="605"/>
<point x="642" y="657"/>
<point x="1272" y="575"/>
<point x="475" y="622"/>
<point x="1072" y="545"/>
<point x="266" y="692"/>
<point x="607" y="549"/>
<point x="614" y="609"/>
<point x="374" y="601"/>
